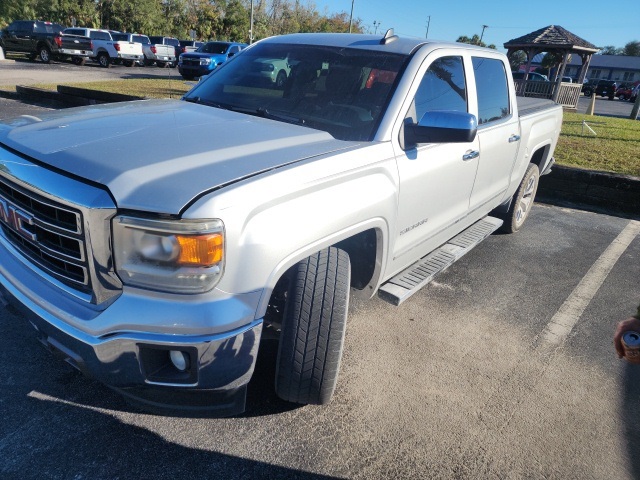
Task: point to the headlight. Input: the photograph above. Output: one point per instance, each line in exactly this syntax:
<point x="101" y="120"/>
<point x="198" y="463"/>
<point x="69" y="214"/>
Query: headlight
<point x="173" y="256"/>
<point x="205" y="61"/>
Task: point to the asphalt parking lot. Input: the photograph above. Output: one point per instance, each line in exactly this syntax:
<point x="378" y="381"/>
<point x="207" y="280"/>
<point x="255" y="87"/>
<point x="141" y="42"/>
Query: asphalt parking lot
<point x="502" y="368"/>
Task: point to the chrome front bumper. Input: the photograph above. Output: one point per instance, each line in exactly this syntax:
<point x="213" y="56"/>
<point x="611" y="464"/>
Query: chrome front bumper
<point x="132" y="357"/>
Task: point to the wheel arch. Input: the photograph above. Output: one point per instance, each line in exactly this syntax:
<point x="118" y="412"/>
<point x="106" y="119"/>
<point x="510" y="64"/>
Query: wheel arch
<point x="364" y="245"/>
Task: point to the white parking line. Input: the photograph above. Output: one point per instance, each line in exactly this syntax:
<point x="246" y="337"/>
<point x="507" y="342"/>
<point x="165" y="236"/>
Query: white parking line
<point x="569" y="313"/>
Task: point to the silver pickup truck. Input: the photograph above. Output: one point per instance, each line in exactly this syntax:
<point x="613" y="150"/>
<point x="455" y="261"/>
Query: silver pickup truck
<point x="158" y="269"/>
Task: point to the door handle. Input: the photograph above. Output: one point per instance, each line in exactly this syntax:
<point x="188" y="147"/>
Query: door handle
<point x="470" y="155"/>
<point x="514" y="138"/>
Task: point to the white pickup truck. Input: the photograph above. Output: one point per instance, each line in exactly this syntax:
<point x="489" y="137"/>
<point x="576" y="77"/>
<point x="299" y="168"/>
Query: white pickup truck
<point x="157" y="268"/>
<point x="106" y="50"/>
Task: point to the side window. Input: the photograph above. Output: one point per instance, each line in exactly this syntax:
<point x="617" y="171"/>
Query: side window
<point x="491" y="85"/>
<point x="442" y="88"/>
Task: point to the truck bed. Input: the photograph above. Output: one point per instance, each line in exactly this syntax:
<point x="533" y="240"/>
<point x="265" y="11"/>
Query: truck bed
<point x="529" y="105"/>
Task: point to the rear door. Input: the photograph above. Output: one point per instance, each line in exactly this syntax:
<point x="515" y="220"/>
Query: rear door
<point x="498" y="131"/>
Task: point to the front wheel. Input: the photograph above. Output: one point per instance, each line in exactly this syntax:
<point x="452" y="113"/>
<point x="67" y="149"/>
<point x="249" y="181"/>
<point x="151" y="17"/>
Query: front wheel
<point x="281" y="79"/>
<point x="522" y="201"/>
<point x="313" y="328"/>
<point x="45" y="54"/>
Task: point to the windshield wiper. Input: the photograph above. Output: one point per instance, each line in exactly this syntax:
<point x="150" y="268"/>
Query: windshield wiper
<point x="208" y="103"/>
<point x="258" y="112"/>
<point x="263" y="112"/>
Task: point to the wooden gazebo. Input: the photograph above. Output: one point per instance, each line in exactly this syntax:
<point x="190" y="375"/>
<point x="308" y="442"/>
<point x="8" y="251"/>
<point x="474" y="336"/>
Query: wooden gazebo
<point x="552" y="39"/>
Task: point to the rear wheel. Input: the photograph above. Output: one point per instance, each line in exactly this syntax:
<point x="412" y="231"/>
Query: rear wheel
<point x="128" y="63"/>
<point x="104" y="60"/>
<point x="522" y="201"/>
<point x="45" y="54"/>
<point x="313" y="328"/>
<point x="161" y="64"/>
<point x="79" y="60"/>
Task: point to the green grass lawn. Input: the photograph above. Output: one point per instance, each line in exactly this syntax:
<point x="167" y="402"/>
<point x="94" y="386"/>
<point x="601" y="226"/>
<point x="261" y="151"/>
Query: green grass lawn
<point x="615" y="147"/>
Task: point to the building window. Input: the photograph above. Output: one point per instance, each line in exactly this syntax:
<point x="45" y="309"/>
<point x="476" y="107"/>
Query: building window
<point x="628" y="76"/>
<point x="596" y="73"/>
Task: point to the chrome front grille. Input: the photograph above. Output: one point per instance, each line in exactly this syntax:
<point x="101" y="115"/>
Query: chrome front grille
<point x="49" y="234"/>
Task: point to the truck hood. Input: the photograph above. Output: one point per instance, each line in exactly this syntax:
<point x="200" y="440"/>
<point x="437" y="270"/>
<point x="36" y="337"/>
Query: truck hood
<point x="218" y="57"/>
<point x="159" y="155"/>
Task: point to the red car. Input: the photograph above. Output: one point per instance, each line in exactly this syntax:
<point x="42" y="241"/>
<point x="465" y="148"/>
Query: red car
<point x="624" y="91"/>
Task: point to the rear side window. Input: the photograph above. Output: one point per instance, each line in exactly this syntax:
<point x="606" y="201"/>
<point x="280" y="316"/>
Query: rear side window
<point x="140" y="39"/>
<point x="98" y="35"/>
<point x="442" y="87"/>
<point x="491" y="85"/>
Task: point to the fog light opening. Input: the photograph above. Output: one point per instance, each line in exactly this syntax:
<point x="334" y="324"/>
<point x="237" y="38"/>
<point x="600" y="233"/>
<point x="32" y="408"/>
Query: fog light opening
<point x="180" y="360"/>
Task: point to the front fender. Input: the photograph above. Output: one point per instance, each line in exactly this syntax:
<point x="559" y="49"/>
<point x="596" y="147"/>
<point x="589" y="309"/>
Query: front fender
<point x="275" y="220"/>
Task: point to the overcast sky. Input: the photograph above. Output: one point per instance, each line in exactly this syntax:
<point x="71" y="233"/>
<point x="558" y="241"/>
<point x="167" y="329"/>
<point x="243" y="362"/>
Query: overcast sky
<point x="601" y="23"/>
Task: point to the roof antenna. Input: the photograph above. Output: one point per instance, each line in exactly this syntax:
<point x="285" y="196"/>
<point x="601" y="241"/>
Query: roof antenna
<point x="388" y="37"/>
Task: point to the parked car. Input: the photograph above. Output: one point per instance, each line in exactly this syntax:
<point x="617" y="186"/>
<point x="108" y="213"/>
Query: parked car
<point x="623" y="92"/>
<point x="606" y="88"/>
<point x="106" y="50"/>
<point x="588" y="87"/>
<point x="165" y="50"/>
<point x="533" y="76"/>
<point x="46" y="40"/>
<point x="634" y="93"/>
<point x="206" y="58"/>
<point x="189" y="45"/>
<point x="271" y="72"/>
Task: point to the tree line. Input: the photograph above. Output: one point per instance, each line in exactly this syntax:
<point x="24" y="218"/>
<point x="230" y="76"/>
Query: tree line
<point x="631" y="49"/>
<point x="211" y="20"/>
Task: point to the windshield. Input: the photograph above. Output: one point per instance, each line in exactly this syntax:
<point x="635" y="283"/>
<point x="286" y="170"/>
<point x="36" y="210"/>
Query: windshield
<point x="341" y="91"/>
<point x="213" y="47"/>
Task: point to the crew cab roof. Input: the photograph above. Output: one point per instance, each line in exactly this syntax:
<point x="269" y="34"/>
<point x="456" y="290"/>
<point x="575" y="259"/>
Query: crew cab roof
<point x="401" y="45"/>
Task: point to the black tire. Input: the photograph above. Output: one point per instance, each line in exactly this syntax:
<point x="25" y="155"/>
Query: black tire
<point x="588" y="93"/>
<point x="45" y="54"/>
<point x="79" y="60"/>
<point x="522" y="201"/>
<point x="104" y="60"/>
<point x="281" y="80"/>
<point x="188" y="77"/>
<point x="622" y="98"/>
<point x="128" y="63"/>
<point x="161" y="64"/>
<point x="313" y="328"/>
<point x="147" y="62"/>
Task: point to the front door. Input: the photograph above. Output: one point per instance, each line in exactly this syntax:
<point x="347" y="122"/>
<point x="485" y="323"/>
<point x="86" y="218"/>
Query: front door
<point x="436" y="180"/>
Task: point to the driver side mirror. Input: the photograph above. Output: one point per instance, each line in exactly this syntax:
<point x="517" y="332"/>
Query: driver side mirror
<point x="441" y="127"/>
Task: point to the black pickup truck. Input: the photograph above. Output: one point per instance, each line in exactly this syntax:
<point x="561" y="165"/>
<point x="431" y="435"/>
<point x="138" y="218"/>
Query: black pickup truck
<point x="44" y="39"/>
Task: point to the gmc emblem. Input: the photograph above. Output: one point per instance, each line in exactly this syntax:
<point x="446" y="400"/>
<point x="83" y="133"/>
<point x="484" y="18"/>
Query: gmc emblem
<point x="16" y="219"/>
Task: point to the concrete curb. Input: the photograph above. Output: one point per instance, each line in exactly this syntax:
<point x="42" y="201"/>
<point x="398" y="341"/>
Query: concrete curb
<point x="591" y="190"/>
<point x="564" y="186"/>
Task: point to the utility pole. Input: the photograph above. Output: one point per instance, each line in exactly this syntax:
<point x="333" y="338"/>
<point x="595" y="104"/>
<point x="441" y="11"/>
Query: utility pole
<point x="376" y="24"/>
<point x="482" y="34"/>
<point x="428" y="23"/>
<point x="351" y="16"/>
<point x="251" y="25"/>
